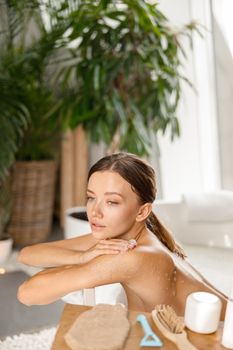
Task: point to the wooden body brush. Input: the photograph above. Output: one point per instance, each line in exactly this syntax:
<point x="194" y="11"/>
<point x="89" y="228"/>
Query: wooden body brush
<point x="171" y="326"/>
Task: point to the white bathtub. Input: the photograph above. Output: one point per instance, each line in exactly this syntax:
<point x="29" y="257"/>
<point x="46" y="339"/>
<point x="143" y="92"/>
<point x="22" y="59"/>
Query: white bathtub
<point x="75" y="227"/>
<point x="174" y="215"/>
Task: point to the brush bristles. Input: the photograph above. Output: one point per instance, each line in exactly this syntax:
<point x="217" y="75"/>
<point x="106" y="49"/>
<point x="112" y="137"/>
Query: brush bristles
<point x="169" y="319"/>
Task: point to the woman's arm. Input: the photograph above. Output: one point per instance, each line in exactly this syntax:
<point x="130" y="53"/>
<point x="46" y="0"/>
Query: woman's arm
<point x="48" y="255"/>
<point x="52" y="284"/>
<point x="62" y="252"/>
<point x="78" y="250"/>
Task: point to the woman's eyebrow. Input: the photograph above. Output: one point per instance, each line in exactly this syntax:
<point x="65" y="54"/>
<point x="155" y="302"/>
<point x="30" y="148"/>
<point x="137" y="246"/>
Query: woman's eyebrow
<point x="107" y="193"/>
<point x="114" y="193"/>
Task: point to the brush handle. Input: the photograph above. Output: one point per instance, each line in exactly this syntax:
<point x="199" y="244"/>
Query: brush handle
<point x="183" y="343"/>
<point x="142" y="319"/>
<point x="148" y="333"/>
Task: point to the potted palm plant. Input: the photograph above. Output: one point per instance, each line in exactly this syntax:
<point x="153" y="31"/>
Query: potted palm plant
<point x="34" y="172"/>
<point x="125" y="71"/>
<point x="23" y="62"/>
<point x="14" y="119"/>
<point x="124" y="78"/>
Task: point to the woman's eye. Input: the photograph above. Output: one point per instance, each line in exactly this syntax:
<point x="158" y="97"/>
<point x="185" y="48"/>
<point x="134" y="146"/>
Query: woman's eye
<point x="111" y="202"/>
<point x="90" y="199"/>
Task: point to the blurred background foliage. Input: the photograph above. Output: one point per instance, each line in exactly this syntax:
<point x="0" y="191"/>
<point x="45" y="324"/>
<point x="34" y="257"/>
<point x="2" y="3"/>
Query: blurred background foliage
<point x="112" y="66"/>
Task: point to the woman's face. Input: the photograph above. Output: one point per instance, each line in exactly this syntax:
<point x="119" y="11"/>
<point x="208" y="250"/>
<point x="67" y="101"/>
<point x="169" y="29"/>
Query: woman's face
<point x="112" y="205"/>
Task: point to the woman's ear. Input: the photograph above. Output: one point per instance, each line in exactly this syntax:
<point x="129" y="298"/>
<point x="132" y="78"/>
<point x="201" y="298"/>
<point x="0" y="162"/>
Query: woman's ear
<point x="144" y="212"/>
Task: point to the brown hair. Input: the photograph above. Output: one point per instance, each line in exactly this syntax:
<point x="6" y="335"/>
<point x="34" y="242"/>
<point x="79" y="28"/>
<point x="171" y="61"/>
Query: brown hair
<point x="141" y="177"/>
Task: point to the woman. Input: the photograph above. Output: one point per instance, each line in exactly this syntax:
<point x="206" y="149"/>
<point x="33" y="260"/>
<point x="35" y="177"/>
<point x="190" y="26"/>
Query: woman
<point x="128" y="244"/>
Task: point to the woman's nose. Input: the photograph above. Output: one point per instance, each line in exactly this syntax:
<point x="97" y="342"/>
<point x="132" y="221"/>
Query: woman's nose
<point x="96" y="210"/>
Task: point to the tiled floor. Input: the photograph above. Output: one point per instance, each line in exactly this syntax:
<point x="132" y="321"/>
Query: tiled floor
<point x="15" y="317"/>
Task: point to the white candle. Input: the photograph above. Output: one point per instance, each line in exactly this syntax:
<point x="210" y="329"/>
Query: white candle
<point x="202" y="312"/>
<point x="227" y="336"/>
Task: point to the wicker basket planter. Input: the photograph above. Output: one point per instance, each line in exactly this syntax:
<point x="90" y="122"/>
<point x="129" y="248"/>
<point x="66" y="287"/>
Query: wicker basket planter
<point x="33" y="190"/>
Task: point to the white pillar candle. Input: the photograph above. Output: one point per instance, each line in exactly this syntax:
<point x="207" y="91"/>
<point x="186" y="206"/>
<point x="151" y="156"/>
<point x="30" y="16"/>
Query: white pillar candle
<point x="202" y="312"/>
<point x="227" y="336"/>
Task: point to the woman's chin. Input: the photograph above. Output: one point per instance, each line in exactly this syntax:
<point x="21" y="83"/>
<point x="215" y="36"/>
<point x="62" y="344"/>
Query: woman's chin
<point x="99" y="235"/>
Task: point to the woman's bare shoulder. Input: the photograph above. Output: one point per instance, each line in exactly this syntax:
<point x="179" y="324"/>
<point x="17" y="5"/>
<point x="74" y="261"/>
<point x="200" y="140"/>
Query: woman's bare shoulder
<point x="132" y="264"/>
<point x="129" y="263"/>
<point x="113" y="268"/>
<point x="150" y="254"/>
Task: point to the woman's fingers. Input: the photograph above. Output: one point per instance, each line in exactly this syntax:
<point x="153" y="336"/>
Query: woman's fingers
<point x="122" y="244"/>
<point x="113" y="240"/>
<point x="113" y="246"/>
<point x="106" y="246"/>
<point x="106" y="251"/>
<point x="97" y="251"/>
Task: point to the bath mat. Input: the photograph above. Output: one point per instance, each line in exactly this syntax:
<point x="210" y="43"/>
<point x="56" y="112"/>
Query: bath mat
<point x="104" y="327"/>
<point x="36" y="341"/>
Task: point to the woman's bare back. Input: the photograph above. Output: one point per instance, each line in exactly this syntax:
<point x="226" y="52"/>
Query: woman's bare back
<point x="155" y="281"/>
<point x="159" y="280"/>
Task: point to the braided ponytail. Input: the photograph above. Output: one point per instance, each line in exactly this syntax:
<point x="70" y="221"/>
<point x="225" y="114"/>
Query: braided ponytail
<point x="164" y="235"/>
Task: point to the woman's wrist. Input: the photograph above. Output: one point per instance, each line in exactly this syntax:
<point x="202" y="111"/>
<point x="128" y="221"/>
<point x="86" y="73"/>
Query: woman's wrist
<point x="79" y="257"/>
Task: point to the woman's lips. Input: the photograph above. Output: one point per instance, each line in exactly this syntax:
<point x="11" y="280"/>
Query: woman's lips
<point x="96" y="227"/>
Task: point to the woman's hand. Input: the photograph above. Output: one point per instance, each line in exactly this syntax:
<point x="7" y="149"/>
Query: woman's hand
<point x="105" y="247"/>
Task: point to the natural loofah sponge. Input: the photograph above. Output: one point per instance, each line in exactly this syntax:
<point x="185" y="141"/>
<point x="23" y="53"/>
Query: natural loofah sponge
<point x="104" y="327"/>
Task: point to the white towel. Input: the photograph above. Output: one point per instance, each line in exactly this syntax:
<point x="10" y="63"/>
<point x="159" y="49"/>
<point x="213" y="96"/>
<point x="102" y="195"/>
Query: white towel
<point x="210" y="206"/>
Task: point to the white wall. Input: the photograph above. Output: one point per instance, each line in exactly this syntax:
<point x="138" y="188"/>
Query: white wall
<point x="191" y="163"/>
<point x="223" y="38"/>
